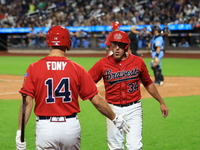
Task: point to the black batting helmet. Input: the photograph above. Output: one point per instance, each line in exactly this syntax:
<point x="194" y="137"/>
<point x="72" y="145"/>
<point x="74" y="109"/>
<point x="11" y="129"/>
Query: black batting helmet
<point x="155" y="28"/>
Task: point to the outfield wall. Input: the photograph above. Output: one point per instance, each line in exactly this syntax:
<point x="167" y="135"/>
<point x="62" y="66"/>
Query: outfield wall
<point x="16" y="38"/>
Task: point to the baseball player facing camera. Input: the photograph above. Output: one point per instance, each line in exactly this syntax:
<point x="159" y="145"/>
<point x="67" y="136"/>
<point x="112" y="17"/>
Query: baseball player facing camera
<point x="157" y="53"/>
<point x="122" y="74"/>
<point x="54" y="83"/>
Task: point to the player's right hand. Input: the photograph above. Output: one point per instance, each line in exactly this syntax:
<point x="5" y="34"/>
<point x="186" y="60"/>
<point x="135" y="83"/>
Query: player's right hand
<point x="164" y="110"/>
<point x="19" y="145"/>
<point x="121" y="124"/>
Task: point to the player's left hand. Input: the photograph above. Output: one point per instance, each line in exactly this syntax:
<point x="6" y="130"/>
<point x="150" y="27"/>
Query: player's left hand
<point x="155" y="61"/>
<point x="121" y="124"/>
<point x="164" y="110"/>
<point x="19" y="145"/>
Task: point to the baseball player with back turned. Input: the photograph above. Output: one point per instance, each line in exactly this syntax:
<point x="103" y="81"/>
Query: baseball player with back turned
<point x="122" y="73"/>
<point x="55" y="83"/>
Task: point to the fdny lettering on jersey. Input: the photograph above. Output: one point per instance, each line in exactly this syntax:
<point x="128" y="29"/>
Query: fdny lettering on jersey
<point x="119" y="76"/>
<point x="56" y="65"/>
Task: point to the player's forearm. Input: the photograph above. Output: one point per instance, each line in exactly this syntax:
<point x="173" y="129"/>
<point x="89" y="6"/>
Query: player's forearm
<point x="158" y="50"/>
<point x="29" y="105"/>
<point x="154" y="93"/>
<point x="102" y="106"/>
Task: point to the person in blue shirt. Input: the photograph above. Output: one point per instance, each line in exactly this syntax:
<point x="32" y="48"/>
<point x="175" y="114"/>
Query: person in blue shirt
<point x="34" y="38"/>
<point x="183" y="43"/>
<point x="84" y="39"/>
<point x="157" y="50"/>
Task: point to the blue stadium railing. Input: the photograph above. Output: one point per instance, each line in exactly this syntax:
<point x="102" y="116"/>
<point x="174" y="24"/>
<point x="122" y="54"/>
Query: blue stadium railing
<point x="96" y="28"/>
<point x="15" y="37"/>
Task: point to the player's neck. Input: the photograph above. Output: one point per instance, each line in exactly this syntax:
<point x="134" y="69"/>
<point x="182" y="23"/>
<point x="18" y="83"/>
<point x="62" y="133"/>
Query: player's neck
<point x="125" y="56"/>
<point x="56" y="52"/>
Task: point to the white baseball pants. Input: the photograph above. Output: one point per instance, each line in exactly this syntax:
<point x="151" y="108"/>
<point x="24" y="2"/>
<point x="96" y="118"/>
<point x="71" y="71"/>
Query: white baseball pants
<point x="115" y="139"/>
<point x="61" y="135"/>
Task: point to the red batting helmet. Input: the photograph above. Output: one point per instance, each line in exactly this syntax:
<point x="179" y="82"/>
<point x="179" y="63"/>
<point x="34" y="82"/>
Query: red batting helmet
<point x="115" y="25"/>
<point x="120" y="36"/>
<point x="58" y="36"/>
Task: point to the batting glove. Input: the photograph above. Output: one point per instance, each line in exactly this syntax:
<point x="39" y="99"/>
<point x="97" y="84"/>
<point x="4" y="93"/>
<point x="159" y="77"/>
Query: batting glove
<point x="20" y="145"/>
<point x="121" y="124"/>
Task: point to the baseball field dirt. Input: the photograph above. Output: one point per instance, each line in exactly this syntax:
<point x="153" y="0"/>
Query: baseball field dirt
<point x="173" y="86"/>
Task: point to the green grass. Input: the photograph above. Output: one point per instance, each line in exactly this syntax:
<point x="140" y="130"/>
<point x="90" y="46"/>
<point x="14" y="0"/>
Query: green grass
<point x="178" y="67"/>
<point x="18" y="65"/>
<point x="179" y="131"/>
<point x="171" y="66"/>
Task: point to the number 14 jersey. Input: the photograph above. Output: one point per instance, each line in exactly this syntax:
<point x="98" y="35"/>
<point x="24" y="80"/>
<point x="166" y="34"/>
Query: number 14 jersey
<point x="56" y="83"/>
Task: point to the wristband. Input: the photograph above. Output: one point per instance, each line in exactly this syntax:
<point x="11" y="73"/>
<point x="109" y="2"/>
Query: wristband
<point x="157" y="54"/>
<point x="19" y="133"/>
<point x="115" y="118"/>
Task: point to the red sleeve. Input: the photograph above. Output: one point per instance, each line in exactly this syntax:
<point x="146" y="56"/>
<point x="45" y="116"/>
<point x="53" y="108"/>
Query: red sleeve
<point x="96" y="71"/>
<point x="87" y="87"/>
<point x="28" y="87"/>
<point x="144" y="76"/>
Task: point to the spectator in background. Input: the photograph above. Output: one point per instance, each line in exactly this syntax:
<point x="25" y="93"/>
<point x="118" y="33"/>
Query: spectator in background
<point x="75" y="39"/>
<point x="144" y="36"/>
<point x="197" y="41"/>
<point x="2" y="15"/>
<point x="133" y="36"/>
<point x="31" y="7"/>
<point x="147" y="36"/>
<point x="194" y="9"/>
<point x="101" y="40"/>
<point x="80" y="39"/>
<point x="177" y="6"/>
<point x="140" y="38"/>
<point x="33" y="37"/>
<point x="127" y="12"/>
<point x="41" y="38"/>
<point x="183" y="43"/>
<point x="41" y="4"/>
<point x="93" y="12"/>
<point x="84" y="39"/>
<point x="3" y="2"/>
<point x="165" y="32"/>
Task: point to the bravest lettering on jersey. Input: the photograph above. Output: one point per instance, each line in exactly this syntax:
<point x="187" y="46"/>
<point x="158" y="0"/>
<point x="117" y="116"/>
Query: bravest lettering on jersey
<point x="128" y="74"/>
<point x="56" y="65"/>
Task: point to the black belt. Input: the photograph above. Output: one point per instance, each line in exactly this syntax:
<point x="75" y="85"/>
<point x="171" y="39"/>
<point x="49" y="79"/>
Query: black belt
<point x="125" y="105"/>
<point x="48" y="117"/>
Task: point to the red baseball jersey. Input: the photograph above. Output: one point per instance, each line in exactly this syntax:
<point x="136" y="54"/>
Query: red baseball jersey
<point x="121" y="80"/>
<point x="56" y="83"/>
